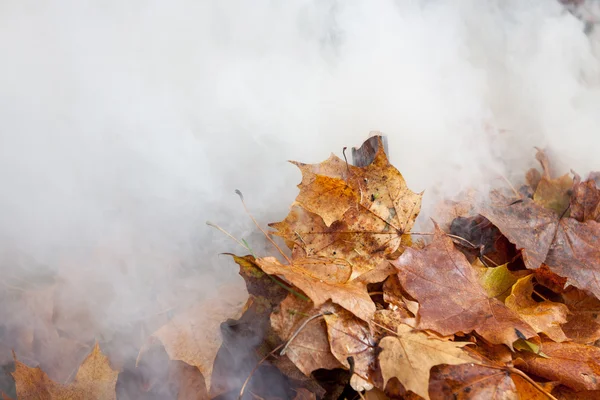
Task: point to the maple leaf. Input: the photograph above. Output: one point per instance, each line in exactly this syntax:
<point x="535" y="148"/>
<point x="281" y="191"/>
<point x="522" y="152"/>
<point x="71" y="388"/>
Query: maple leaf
<point x="194" y="336"/>
<point x="363" y="209"/>
<point x="583" y="321"/>
<point x="554" y="194"/>
<point x="350" y="337"/>
<point x="324" y="279"/>
<point x="410" y="355"/>
<point x="572" y="364"/>
<point x="450" y="298"/>
<point x="309" y="349"/>
<point x="545" y="317"/>
<point x="568" y="247"/>
<point x="95" y="379"/>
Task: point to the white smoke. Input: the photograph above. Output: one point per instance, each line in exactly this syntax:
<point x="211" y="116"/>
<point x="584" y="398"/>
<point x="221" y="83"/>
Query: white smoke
<point x="124" y="126"/>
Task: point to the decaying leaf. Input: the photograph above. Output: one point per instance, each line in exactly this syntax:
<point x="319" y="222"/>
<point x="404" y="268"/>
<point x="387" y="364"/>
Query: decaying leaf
<point x="585" y="201"/>
<point x="95" y="379"/>
<point x="451" y="300"/>
<point x="554" y="194"/>
<point x="583" y="321"/>
<point x="545" y="317"/>
<point x="351" y="337"/>
<point x="410" y="355"/>
<point x="574" y="365"/>
<point x="309" y="350"/>
<point x="570" y="248"/>
<point x="194" y="336"/>
<point x="318" y="280"/>
<point x="471" y="381"/>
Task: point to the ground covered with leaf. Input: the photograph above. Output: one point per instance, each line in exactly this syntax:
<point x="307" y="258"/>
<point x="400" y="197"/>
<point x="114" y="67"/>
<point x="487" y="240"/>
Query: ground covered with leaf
<point x="500" y="301"/>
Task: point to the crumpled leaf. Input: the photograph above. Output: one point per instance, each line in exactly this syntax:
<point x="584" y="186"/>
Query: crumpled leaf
<point x="545" y="317"/>
<point x="351" y="337"/>
<point x="574" y="365"/>
<point x="451" y="300"/>
<point x="95" y="380"/>
<point x="310" y="349"/>
<point x="194" y="336"/>
<point x="322" y="280"/>
<point x="570" y="248"/>
<point x="410" y="355"/>
<point x="583" y="321"/>
<point x="358" y="213"/>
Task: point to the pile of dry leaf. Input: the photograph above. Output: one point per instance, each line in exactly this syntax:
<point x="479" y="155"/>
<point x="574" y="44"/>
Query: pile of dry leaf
<point x="500" y="303"/>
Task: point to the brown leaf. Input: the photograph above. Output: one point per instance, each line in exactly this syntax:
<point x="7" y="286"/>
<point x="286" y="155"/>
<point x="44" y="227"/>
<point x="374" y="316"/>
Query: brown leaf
<point x="351" y="337"/>
<point x="451" y="300"/>
<point x="410" y="355"/>
<point x="310" y="349"/>
<point x="574" y="365"/>
<point x="471" y="381"/>
<point x="352" y="211"/>
<point x="570" y="248"/>
<point x="258" y="283"/>
<point x="545" y="317"/>
<point x="322" y="280"/>
<point x="95" y="379"/>
<point x="585" y="201"/>
<point x="304" y="394"/>
<point x="583" y="321"/>
<point x="554" y="194"/>
<point x="194" y="336"/>
<point x="187" y="381"/>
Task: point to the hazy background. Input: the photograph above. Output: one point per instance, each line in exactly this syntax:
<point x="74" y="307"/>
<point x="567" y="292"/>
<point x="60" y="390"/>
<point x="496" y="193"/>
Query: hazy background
<point x="125" y="125"/>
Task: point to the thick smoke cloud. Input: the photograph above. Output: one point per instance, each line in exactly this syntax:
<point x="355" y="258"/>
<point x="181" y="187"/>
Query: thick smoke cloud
<point x="124" y="126"/>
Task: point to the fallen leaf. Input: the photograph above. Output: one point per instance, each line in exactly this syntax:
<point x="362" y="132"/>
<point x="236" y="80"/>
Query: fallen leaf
<point x="572" y="364"/>
<point x="570" y="248"/>
<point x="351" y="337"/>
<point x="187" y="382"/>
<point x="585" y="201"/>
<point x="545" y="317"/>
<point x="497" y="282"/>
<point x="583" y="321"/>
<point x="471" y="381"/>
<point x="410" y="355"/>
<point x="318" y="280"/>
<point x="359" y="213"/>
<point x="451" y="300"/>
<point x="194" y="336"/>
<point x="554" y="194"/>
<point x="310" y="349"/>
<point x="304" y="394"/>
<point x="95" y="379"/>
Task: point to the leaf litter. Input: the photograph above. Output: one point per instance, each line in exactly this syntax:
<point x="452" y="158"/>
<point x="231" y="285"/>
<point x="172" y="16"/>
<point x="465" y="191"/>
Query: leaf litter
<point x="500" y="301"/>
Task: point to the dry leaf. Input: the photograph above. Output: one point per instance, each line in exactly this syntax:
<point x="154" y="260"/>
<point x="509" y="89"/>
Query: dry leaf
<point x="471" y="381"/>
<point x="95" y="380"/>
<point x="451" y="300"/>
<point x="194" y="336"/>
<point x="410" y="355"/>
<point x="583" y="321"/>
<point x="585" y="201"/>
<point x="554" y="194"/>
<point x="310" y="349"/>
<point x="574" y="365"/>
<point x="545" y="317"/>
<point x="317" y="279"/>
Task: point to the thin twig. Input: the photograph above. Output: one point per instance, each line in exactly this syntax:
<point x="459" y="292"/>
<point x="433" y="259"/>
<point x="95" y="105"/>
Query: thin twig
<point x="458" y="238"/>
<point x="511" y="186"/>
<point x="524" y="376"/>
<point x="230" y="235"/>
<point x="261" y="229"/>
<point x="254" y="370"/>
<point x="287" y="344"/>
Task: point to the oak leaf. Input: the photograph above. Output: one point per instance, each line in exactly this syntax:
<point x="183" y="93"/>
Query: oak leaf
<point x="309" y="350"/>
<point x="323" y="279"/>
<point x="451" y="300"/>
<point x="572" y="364"/>
<point x="95" y="379"/>
<point x="410" y="355"/>
<point x="545" y="317"/>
